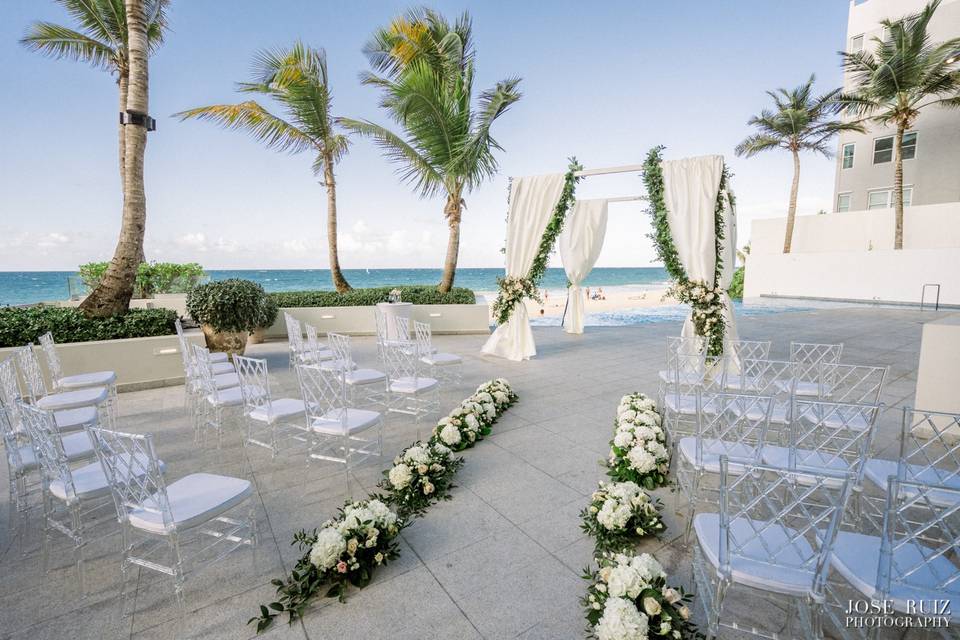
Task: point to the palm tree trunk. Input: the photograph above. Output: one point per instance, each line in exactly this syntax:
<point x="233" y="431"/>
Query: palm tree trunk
<point x="792" y="210"/>
<point x="898" y="187"/>
<point x="123" y="83"/>
<point x="452" y="211"/>
<point x="112" y="295"/>
<point x="339" y="282"/>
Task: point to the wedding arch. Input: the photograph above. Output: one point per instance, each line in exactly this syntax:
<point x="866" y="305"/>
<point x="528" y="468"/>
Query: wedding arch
<point x="693" y="212"/>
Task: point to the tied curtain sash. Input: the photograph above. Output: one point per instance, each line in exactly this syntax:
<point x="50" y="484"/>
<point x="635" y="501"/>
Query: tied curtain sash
<point x="532" y="201"/>
<point x="580" y="243"/>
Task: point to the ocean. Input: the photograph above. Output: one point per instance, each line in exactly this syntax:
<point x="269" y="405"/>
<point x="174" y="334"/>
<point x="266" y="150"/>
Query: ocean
<point x="26" y="287"/>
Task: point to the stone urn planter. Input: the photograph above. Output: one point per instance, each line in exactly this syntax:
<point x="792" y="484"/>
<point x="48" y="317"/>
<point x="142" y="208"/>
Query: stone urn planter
<point x="232" y="342"/>
<point x="257" y="336"/>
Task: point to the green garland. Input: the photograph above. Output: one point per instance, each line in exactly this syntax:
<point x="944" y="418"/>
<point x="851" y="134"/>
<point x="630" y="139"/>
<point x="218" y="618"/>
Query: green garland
<point x="514" y="289"/>
<point x="704" y="297"/>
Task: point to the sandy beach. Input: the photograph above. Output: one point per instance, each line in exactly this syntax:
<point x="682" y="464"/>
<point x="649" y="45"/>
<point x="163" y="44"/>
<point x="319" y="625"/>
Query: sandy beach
<point x="612" y="299"/>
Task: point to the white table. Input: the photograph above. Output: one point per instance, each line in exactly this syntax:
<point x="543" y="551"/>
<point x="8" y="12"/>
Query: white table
<point x="393" y="310"/>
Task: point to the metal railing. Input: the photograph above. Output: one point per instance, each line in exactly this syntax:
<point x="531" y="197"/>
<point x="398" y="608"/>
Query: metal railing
<point x="923" y="295"/>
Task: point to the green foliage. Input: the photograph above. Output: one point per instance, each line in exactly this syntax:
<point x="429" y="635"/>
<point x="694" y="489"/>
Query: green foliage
<point x="268" y="312"/>
<point x="20" y="325"/>
<point x="417" y="294"/>
<point x="514" y="290"/>
<point x="152" y="277"/>
<point x="736" y="286"/>
<point x="228" y="305"/>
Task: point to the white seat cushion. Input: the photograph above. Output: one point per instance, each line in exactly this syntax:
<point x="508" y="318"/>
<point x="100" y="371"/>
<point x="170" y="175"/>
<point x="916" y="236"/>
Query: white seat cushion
<point x="684" y="404"/>
<point x="778" y="414"/>
<point x="87" y="397"/>
<point x="412" y="386"/>
<point x="365" y="376"/>
<point x="309" y="357"/>
<point x="219" y="368"/>
<point x="441" y="359"/>
<point x="75" y="419"/>
<point x="879" y="471"/>
<point x="785" y="576"/>
<point x="226" y="380"/>
<point x="231" y="397"/>
<point x="278" y="410"/>
<point x="806" y="460"/>
<point x="218" y="356"/>
<point x="76" y="446"/>
<point x="805" y="388"/>
<point x="712" y="450"/>
<point x="336" y="364"/>
<point x="193" y="500"/>
<point x="332" y="422"/>
<point x="89" y="480"/>
<point x="92" y="379"/>
<point x="856" y="557"/>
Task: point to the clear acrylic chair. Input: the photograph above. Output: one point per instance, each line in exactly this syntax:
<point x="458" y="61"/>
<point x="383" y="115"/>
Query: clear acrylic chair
<point x="364" y="386"/>
<point x="22" y="482"/>
<point x="61" y="382"/>
<point x="739" y="351"/>
<point x="777" y="379"/>
<point x="447" y="367"/>
<point x="771" y="539"/>
<point x="913" y="565"/>
<point x="690" y="374"/>
<point x="336" y="429"/>
<point x="217" y="403"/>
<point x="271" y="423"/>
<point x="410" y="391"/>
<point x="76" y="401"/>
<point x="851" y="382"/>
<point x="154" y="514"/>
<point x="219" y="359"/>
<point x="808" y="357"/>
<point x="693" y="346"/>
<point x="731" y="425"/>
<point x="67" y="420"/>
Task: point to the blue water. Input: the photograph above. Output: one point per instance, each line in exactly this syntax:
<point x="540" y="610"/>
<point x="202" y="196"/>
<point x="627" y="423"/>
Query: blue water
<point x="25" y="287"/>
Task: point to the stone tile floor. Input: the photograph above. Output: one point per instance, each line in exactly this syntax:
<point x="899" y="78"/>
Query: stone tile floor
<point x="501" y="560"/>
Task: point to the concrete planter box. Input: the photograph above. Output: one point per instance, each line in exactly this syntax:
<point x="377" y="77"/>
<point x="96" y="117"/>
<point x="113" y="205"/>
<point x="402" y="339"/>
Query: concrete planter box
<point x="443" y="318"/>
<point x="140" y="363"/>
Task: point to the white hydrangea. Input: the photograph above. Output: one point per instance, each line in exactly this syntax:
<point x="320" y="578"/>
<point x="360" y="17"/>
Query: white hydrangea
<point x="441" y="449"/>
<point x="450" y="435"/>
<point x="641" y="460"/>
<point x="621" y="621"/>
<point x="656" y="449"/>
<point x="382" y="513"/>
<point x="623" y="439"/>
<point x="648" y="567"/>
<point x="624" y="580"/>
<point x="472" y="421"/>
<point x="417" y="454"/>
<point x="400" y="476"/>
<point x="613" y="515"/>
<point x="327" y="549"/>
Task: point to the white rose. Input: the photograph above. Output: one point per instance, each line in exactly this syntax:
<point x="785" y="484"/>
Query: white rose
<point x="327" y="549"/>
<point x="450" y="435"/>
<point x="400" y="476"/>
<point x="671" y="595"/>
<point x="650" y="606"/>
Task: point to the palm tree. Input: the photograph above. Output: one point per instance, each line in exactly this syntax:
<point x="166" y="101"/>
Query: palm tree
<point x="112" y="295"/>
<point x="427" y="67"/>
<point x="295" y="78"/>
<point x="100" y="40"/>
<point x="904" y="75"/>
<point x="799" y="122"/>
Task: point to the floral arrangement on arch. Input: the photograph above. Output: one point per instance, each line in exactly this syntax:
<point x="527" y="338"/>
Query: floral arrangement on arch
<point x="628" y="599"/>
<point x="473" y="419"/>
<point x="619" y="515"/>
<point x="638" y="452"/>
<point x="421" y="475"/>
<point x="343" y="551"/>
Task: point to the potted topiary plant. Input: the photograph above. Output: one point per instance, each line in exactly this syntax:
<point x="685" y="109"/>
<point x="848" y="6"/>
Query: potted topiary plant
<point x="228" y="311"/>
<point x="268" y="315"/>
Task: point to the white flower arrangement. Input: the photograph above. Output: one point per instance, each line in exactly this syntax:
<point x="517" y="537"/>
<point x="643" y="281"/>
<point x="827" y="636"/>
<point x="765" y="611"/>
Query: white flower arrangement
<point x="637" y="451"/>
<point x="473" y="419"/>
<point x="421" y="475"/>
<point x="628" y="599"/>
<point x="707" y="315"/>
<point x="619" y="514"/>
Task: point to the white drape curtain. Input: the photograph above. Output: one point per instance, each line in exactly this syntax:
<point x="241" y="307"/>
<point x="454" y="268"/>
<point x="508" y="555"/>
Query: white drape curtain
<point x="580" y="243"/>
<point x="532" y="201"/>
<point x="690" y="194"/>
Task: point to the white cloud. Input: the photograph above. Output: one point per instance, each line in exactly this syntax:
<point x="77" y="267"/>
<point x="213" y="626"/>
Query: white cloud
<point x="53" y="239"/>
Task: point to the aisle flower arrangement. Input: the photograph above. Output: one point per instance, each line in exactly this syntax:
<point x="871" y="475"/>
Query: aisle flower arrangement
<point x="343" y="551"/>
<point x="473" y="419"/>
<point x="421" y="475"/>
<point x="628" y="599"/>
<point x="638" y="452"/>
<point x="619" y="515"/>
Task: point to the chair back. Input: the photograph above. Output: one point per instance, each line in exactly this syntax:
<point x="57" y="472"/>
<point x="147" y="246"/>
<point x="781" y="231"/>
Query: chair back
<point x="11" y="443"/>
<point x="920" y="544"/>
<point x="731" y="424"/>
<point x="768" y="517"/>
<point x="401" y="327"/>
<point x="690" y="373"/>
<point x="423" y="334"/>
<point x="186" y="353"/>
<point x="323" y="393"/>
<point x="774" y="378"/>
<point x="851" y="382"/>
<point x="133" y="471"/>
<point x="48" y="449"/>
<point x="203" y="369"/>
<point x="254" y="384"/>
<point x="809" y="355"/>
<point x="30" y="371"/>
<point x="312" y="344"/>
<point x="831" y="436"/>
<point x="10" y="393"/>
<point x="930" y="447"/>
<point x="54" y="366"/>
<point x="339" y="344"/>
<point x="401" y="359"/>
<point x="294" y="333"/>
<point x="748" y="349"/>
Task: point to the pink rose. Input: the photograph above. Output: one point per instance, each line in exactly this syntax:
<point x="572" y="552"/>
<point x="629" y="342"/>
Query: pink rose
<point x="342" y="566"/>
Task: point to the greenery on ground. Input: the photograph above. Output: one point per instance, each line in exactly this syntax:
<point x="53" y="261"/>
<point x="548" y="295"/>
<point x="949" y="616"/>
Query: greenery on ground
<point x="736" y="286"/>
<point x="229" y="305"/>
<point x="417" y="294"/>
<point x="20" y="325"/>
<point x="152" y="277"/>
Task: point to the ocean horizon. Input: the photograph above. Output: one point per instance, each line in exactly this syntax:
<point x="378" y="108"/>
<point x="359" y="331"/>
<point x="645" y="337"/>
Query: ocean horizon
<point x="30" y="287"/>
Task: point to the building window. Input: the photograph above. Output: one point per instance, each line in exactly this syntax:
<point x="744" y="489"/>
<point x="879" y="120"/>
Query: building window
<point x="848" y="150"/>
<point x="856" y="44"/>
<point x="843" y="202"/>
<point x="883" y="148"/>
<point x="883" y="198"/>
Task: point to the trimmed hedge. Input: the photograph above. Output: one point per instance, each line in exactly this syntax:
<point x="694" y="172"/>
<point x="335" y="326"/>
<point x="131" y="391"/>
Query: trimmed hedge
<point x="20" y="325"/>
<point x="233" y="304"/>
<point x="417" y="294"/>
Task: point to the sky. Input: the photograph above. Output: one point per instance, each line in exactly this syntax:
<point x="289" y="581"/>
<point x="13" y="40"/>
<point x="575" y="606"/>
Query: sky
<point x="602" y="81"/>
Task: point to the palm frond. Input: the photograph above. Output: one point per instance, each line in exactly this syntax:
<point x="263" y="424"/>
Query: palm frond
<point x="61" y="42"/>
<point x="249" y="116"/>
<point x="413" y="169"/>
